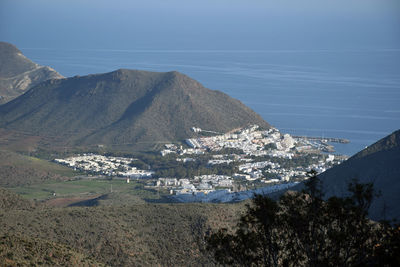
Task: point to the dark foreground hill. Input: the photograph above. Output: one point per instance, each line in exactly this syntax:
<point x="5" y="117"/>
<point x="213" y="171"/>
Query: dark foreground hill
<point x="17" y="250"/>
<point x="135" y="235"/>
<point x="18" y="73"/>
<point x="379" y="164"/>
<point x="124" y="107"/>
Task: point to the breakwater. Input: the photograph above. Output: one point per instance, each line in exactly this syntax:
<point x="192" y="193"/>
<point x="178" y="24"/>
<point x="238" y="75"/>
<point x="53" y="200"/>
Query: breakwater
<point x="325" y="139"/>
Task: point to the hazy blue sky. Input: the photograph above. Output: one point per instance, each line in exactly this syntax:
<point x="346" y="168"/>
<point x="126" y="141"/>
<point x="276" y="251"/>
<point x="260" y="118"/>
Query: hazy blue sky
<point x="201" y="24"/>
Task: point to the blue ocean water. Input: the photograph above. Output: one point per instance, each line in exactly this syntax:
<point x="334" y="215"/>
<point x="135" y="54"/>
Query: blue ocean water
<point x="353" y="94"/>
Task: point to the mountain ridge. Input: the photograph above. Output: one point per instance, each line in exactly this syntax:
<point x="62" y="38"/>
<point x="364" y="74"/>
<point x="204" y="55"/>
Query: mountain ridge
<point x="124" y="107"/>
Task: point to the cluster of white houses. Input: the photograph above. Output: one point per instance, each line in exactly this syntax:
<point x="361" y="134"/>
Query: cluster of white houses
<point x="202" y="183"/>
<point x="248" y="170"/>
<point x="250" y="139"/>
<point x="105" y="165"/>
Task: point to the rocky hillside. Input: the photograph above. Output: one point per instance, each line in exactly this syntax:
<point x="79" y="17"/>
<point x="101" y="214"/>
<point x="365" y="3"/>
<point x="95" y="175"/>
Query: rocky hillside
<point x="18" y="73"/>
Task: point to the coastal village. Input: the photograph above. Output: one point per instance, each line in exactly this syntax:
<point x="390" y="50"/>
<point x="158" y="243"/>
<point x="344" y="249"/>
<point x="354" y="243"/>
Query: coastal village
<point x="260" y="158"/>
<point x="253" y="147"/>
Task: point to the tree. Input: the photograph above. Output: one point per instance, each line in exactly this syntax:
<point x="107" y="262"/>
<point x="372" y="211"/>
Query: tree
<point x="301" y="229"/>
<point x="255" y="241"/>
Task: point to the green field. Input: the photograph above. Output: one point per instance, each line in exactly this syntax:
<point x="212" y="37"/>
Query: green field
<point x="85" y="187"/>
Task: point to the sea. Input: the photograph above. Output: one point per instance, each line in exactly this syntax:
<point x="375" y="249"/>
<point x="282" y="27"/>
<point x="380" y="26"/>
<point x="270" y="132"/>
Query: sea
<point x="351" y="94"/>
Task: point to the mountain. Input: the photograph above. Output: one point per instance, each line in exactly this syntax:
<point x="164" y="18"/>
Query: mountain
<point x="124" y="107"/>
<point x="379" y="164"/>
<point x="18" y="73"/>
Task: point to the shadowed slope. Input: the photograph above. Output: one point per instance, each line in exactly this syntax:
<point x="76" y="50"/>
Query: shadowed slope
<point x="379" y="164"/>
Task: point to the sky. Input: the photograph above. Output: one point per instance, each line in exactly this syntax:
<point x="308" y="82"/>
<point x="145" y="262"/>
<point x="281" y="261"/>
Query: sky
<point x="205" y="24"/>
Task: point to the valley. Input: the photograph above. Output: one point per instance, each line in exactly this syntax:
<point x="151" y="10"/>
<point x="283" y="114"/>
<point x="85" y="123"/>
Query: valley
<point x="217" y="168"/>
